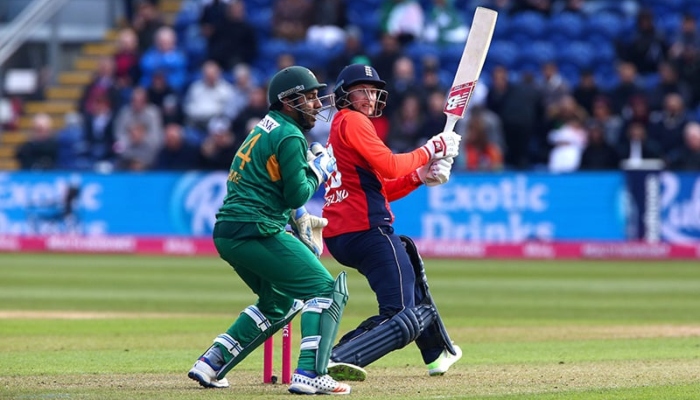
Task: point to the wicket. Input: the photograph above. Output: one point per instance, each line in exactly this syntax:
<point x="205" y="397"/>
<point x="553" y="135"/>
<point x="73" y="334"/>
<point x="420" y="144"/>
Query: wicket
<point x="268" y="360"/>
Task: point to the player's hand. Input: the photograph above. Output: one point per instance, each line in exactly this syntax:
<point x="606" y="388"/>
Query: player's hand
<point x="436" y="172"/>
<point x="322" y="163"/>
<point x="443" y="145"/>
<point x="309" y="229"/>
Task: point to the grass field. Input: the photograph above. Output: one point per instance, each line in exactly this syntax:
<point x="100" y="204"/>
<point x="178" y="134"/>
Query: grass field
<point x="129" y="327"/>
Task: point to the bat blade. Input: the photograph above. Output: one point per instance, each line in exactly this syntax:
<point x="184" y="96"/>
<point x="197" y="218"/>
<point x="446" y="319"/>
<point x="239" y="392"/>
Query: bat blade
<point x="470" y="65"/>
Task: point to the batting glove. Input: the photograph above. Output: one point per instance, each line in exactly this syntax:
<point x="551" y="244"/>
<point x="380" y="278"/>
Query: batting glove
<point x="322" y="163"/>
<point x="436" y="172"/>
<point x="309" y="229"/>
<point x="443" y="145"/>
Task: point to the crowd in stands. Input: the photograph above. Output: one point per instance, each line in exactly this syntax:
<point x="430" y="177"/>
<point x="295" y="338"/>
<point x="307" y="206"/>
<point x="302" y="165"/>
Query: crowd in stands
<point x="184" y="96"/>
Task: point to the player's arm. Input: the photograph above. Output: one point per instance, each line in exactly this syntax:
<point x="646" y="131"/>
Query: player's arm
<point x="300" y="182"/>
<point x="359" y="133"/>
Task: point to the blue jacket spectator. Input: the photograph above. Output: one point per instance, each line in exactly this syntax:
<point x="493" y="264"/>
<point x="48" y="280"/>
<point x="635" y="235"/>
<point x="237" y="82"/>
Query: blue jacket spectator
<point x="165" y="57"/>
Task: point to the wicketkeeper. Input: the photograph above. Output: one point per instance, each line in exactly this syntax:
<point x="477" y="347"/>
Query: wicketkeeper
<point x="272" y="175"/>
<point x="360" y="233"/>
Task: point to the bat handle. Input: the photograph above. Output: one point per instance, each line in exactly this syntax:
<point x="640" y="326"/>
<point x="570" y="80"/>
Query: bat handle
<point x="450" y="124"/>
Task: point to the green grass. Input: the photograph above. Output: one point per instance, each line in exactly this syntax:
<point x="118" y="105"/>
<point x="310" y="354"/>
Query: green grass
<point x="129" y="327"/>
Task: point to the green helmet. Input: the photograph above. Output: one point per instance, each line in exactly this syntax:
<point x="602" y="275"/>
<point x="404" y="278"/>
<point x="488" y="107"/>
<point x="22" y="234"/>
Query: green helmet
<point x="291" y="80"/>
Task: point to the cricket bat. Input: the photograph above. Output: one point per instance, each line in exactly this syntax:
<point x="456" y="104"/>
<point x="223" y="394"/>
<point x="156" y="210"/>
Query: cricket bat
<point x="470" y="65"/>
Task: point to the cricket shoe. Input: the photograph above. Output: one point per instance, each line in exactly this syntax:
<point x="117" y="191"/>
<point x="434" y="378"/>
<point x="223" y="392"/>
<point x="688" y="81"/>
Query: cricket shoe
<point x="205" y="375"/>
<point x="346" y="372"/>
<point x="444" y="362"/>
<point x="308" y="382"/>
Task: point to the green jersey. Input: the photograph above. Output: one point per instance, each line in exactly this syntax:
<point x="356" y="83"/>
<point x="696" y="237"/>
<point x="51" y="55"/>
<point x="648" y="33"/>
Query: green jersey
<point x="269" y="175"/>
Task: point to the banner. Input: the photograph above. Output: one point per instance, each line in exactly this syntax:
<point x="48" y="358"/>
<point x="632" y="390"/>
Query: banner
<point x="115" y="204"/>
<point x="513" y="208"/>
<point x="679" y="207"/>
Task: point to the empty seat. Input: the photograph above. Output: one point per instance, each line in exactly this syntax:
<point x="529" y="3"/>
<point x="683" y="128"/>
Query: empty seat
<point x="503" y="52"/>
<point x="608" y="24"/>
<point x="566" y="24"/>
<point x="577" y="53"/>
<point x="528" y="23"/>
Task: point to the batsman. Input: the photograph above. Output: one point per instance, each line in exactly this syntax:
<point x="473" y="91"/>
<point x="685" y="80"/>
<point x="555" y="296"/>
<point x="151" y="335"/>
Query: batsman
<point x="360" y="234"/>
<point x="272" y="176"/>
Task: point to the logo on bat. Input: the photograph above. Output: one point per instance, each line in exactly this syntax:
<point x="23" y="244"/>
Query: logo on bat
<point x="458" y="98"/>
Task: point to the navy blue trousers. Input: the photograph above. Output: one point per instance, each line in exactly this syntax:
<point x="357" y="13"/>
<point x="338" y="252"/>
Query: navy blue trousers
<point x="379" y="256"/>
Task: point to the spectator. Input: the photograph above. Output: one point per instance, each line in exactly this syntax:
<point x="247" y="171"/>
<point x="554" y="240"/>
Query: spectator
<point x="329" y="18"/>
<point x="403" y="19"/>
<point x="139" y="110"/>
<point x="609" y="122"/>
<point x="519" y="108"/>
<point x="135" y="153"/>
<point x="146" y="23"/>
<point x="543" y="7"/>
<point x="668" y="83"/>
<point x="257" y="108"/>
<point x="243" y="84"/>
<point x="232" y="39"/>
<point x="598" y="154"/>
<point x="177" y="154"/>
<point x="385" y="59"/>
<point x="207" y="97"/>
<point x="647" y="48"/>
<point x="126" y="59"/>
<point x="159" y="90"/>
<point x="568" y="142"/>
<point x="480" y="153"/>
<point x="220" y="146"/>
<point x="587" y="91"/>
<point x="687" y="39"/>
<point x="213" y="13"/>
<point x="70" y="143"/>
<point x="433" y="116"/>
<point x="103" y="84"/>
<point x="637" y="146"/>
<point x="687" y="158"/>
<point x="99" y="136"/>
<point x="291" y="19"/>
<point x="627" y="88"/>
<point x="406" y="127"/>
<point x="554" y="87"/>
<point x="165" y="57"/>
<point x="403" y="83"/>
<point x="352" y="53"/>
<point x="445" y="24"/>
<point x="666" y="126"/>
<point x="40" y="152"/>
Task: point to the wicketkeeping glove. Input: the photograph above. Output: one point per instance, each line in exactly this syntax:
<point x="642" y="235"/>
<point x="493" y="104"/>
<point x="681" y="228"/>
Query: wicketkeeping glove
<point x="322" y="163"/>
<point x="309" y="228"/>
<point x="443" y="145"/>
<point x="436" y="172"/>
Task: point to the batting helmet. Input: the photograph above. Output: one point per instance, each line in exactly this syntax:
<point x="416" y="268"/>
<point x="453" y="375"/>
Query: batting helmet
<point x="291" y="80"/>
<point x="355" y="74"/>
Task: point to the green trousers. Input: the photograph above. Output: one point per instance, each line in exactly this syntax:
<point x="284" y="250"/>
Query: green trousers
<point x="278" y="268"/>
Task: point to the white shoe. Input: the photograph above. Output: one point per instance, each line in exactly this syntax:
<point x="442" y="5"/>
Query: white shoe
<point x="306" y="382"/>
<point x="444" y="362"/>
<point x="346" y="372"/>
<point x="206" y="376"/>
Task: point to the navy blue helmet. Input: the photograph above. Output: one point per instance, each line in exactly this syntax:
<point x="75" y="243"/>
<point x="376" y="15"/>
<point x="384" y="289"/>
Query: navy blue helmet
<point x="356" y="74"/>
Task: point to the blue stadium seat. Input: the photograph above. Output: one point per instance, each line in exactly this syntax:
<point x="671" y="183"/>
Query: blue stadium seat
<point x="578" y="53"/>
<point x="261" y="19"/>
<point x="534" y="54"/>
<point x="608" y="24"/>
<point x="503" y="52"/>
<point x="529" y="23"/>
<point x="567" y="24"/>
<point x="418" y="50"/>
<point x="503" y="28"/>
<point x="669" y="24"/>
